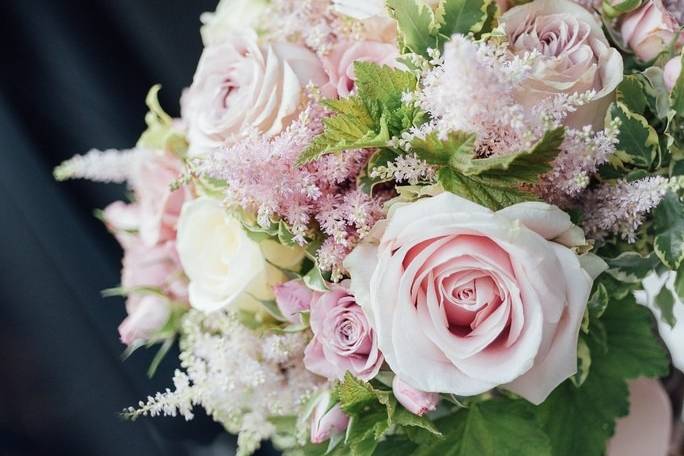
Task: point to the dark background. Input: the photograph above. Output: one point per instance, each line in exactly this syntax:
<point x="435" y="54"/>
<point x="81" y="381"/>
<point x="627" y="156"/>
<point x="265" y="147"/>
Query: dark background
<point x="74" y="75"/>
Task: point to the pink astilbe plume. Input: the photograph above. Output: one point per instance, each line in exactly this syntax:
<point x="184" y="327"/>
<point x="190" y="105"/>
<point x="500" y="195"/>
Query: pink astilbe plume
<point x="263" y="178"/>
<point x="621" y="208"/>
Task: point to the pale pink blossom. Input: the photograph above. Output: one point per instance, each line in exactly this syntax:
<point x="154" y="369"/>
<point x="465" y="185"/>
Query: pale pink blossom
<point x="671" y="72"/>
<point x="240" y="86"/>
<point x="417" y="402"/>
<point x="157" y="267"/>
<point x="463" y="299"/>
<point x="650" y="29"/>
<point x="293" y="298"/>
<point x="146" y="315"/>
<point x="339" y="63"/>
<point x="327" y="421"/>
<point x="343" y="339"/>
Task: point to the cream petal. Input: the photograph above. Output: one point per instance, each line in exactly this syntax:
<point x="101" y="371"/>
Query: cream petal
<point x="544" y="219"/>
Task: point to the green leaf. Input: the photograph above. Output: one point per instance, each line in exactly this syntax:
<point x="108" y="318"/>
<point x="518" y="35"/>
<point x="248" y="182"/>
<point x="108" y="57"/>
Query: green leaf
<point x="160" y="134"/>
<point x="631" y="266"/>
<point x="579" y="421"/>
<point x="669" y="227"/>
<point x="598" y="302"/>
<point x="490" y="428"/>
<point x="492" y="193"/>
<point x="355" y="395"/>
<point x="463" y="16"/>
<point x="314" y="279"/>
<point x="666" y="302"/>
<point x="520" y="167"/>
<point x="437" y="152"/>
<point x="383" y="84"/>
<point x="583" y="363"/>
<point x="613" y="8"/>
<point x="416" y="23"/>
<point x="677" y="96"/>
<point x="638" y="141"/>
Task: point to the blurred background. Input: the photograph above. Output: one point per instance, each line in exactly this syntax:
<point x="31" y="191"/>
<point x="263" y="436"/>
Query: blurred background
<point x="74" y="76"/>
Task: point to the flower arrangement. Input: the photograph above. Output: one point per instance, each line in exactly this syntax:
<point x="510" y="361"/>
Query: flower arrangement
<point x="411" y="226"/>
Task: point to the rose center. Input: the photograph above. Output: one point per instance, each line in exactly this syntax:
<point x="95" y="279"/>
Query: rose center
<point x="468" y="303"/>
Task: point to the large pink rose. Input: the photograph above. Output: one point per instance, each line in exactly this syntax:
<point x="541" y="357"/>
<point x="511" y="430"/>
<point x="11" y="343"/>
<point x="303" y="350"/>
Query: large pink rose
<point x="464" y="299"/>
<point x="155" y="211"/>
<point x="339" y="64"/>
<point x="240" y="85"/>
<point x="650" y="29"/>
<point x="343" y="340"/>
<point x="576" y="56"/>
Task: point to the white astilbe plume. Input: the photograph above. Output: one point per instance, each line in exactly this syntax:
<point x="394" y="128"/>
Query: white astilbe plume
<point x="406" y="168"/>
<point x="239" y="377"/>
<point x="110" y="166"/>
<point x="621" y="208"/>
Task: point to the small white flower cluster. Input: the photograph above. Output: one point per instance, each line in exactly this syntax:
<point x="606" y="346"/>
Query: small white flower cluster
<point x="108" y="166"/>
<point x="406" y="168"/>
<point x="240" y="378"/>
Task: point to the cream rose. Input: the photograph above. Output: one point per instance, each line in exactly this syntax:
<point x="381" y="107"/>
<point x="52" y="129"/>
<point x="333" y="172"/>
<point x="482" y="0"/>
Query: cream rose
<point x="230" y="15"/>
<point x="463" y="299"/>
<point x="241" y="86"/>
<point x="224" y="265"/>
<point x="577" y="56"/>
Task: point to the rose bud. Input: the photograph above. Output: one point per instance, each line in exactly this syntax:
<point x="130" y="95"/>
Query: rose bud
<point x="671" y="72"/>
<point x="146" y="315"/>
<point x="326" y="423"/>
<point x="415" y="401"/>
<point x="292" y="298"/>
<point x="649" y="30"/>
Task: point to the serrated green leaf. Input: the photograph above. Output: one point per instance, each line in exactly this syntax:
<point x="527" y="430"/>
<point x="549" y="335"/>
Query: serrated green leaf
<point x="437" y="152"/>
<point x="463" y="16"/>
<point x="631" y="266"/>
<point x="356" y="395"/>
<point x="416" y="24"/>
<point x="382" y="83"/>
<point x="403" y="417"/>
<point x="490" y="428"/>
<point x="666" y="302"/>
<point x="638" y="142"/>
<point x="669" y="228"/>
<point x="631" y="93"/>
<point x="492" y="193"/>
<point x="519" y="167"/>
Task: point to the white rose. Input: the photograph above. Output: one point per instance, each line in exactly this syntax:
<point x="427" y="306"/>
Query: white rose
<point x="577" y="57"/>
<point x="224" y="265"/>
<point x="230" y="15"/>
<point x="240" y="86"/>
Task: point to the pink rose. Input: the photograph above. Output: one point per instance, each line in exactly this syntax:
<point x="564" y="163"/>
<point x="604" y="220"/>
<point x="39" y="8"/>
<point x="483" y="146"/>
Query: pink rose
<point x="576" y="56"/>
<point x="464" y="299"/>
<point x="649" y="30"/>
<point x="154" y="267"/>
<point x="671" y="72"/>
<point x="293" y="298"/>
<point x="240" y="86"/>
<point x="416" y="402"/>
<point x="339" y="64"/>
<point x="155" y="211"/>
<point x="146" y="315"/>
<point x="326" y="423"/>
<point x="343" y="340"/>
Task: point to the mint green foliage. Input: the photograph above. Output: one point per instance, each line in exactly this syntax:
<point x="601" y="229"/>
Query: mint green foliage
<point x="675" y="128"/>
<point x="638" y="141"/>
<point x="371" y="117"/>
<point x="631" y="267"/>
<point x="493" y="182"/>
<point x="669" y="231"/>
<point x="160" y="134"/>
<point x="421" y="29"/>
<point x="666" y="302"/>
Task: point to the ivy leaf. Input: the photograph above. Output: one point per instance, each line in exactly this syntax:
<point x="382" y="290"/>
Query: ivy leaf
<point x="463" y="16"/>
<point x="490" y="428"/>
<point x="637" y="141"/>
<point x="580" y="420"/>
<point x="666" y="302"/>
<point x="669" y="227"/>
<point x="631" y="266"/>
<point x="416" y="23"/>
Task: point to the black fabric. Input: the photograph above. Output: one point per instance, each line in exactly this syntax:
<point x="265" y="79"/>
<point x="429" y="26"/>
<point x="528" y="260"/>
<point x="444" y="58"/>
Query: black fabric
<point x="74" y="76"/>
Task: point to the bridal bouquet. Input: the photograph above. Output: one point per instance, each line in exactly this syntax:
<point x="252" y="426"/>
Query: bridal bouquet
<point x="412" y="227"/>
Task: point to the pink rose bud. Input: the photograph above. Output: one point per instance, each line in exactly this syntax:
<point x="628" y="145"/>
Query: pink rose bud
<point x="671" y="72"/>
<point x="326" y="424"/>
<point x="649" y="30"/>
<point x="415" y="401"/>
<point x="146" y="315"/>
<point x="292" y="298"/>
